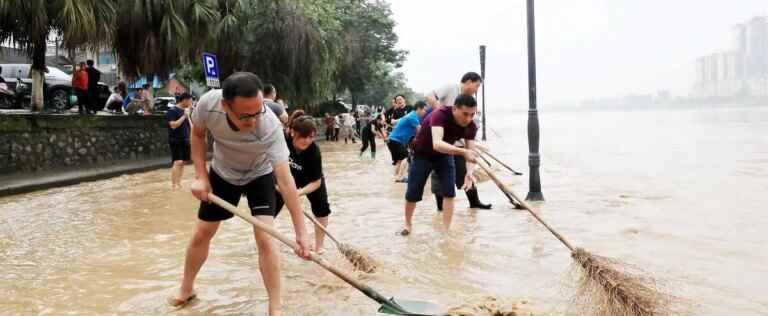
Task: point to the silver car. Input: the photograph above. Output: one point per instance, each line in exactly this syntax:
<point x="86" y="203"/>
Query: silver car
<point x="58" y="84"/>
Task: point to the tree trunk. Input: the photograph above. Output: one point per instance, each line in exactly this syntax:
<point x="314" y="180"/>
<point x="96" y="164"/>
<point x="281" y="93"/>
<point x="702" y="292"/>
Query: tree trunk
<point x="37" y="90"/>
<point x="37" y="72"/>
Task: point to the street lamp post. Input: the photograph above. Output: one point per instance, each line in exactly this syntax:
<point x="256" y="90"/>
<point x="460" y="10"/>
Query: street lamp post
<point x="482" y="75"/>
<point x="534" y="159"/>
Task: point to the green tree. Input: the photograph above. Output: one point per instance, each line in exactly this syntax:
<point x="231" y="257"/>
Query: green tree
<point x="158" y="36"/>
<point x="369" y="51"/>
<point x="29" y="23"/>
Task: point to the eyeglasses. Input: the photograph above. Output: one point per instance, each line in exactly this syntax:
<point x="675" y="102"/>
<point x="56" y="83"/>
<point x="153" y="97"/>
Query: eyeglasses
<point x="248" y="117"/>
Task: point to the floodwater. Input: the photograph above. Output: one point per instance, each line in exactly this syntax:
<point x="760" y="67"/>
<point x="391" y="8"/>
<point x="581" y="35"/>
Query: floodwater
<point x="678" y="192"/>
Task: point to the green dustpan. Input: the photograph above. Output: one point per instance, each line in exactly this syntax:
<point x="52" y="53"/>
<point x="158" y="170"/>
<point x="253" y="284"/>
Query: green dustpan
<point x="408" y="307"/>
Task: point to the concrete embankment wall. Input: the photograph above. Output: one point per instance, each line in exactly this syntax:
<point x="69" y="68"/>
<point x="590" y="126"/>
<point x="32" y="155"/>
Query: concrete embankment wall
<point x="33" y="143"/>
<point x="44" y="151"/>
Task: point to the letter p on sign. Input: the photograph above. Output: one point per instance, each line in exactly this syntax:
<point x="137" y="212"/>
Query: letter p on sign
<point x="211" y="67"/>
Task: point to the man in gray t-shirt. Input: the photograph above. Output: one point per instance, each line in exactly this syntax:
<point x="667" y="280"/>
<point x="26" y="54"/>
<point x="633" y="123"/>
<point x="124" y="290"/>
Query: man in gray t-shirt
<point x="249" y="155"/>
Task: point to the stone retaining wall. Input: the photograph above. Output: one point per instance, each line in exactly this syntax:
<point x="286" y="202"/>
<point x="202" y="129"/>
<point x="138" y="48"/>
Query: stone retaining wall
<point x="30" y="142"/>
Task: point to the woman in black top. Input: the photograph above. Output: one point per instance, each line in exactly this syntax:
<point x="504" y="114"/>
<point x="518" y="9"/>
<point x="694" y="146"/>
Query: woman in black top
<point x="374" y="127"/>
<point x="307" y="170"/>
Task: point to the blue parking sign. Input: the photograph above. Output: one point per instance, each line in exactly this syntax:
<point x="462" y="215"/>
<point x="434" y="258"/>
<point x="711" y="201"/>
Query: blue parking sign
<point x="211" y="68"/>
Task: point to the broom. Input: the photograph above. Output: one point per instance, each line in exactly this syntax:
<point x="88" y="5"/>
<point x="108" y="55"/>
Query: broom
<point x="606" y="287"/>
<point x="360" y="260"/>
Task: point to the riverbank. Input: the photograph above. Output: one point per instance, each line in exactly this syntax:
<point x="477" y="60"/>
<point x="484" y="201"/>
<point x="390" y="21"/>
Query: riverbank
<point x="43" y="151"/>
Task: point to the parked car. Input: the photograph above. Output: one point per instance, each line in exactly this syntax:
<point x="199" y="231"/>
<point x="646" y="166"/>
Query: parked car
<point x="58" y="85"/>
<point x="163" y="103"/>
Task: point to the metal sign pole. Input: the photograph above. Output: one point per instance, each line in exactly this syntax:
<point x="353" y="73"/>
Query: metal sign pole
<point x="534" y="159"/>
<point x="482" y="75"/>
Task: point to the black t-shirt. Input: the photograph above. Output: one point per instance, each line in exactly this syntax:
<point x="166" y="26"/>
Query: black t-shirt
<point x="374" y="124"/>
<point x="181" y="132"/>
<point x="306" y="166"/>
<point x="396" y="114"/>
<point x="94" y="75"/>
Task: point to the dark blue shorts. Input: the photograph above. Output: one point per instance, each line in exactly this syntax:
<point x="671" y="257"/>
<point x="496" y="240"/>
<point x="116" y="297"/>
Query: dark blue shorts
<point x="419" y="173"/>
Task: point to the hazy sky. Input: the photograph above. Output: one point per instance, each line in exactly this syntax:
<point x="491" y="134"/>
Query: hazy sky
<point x="584" y="48"/>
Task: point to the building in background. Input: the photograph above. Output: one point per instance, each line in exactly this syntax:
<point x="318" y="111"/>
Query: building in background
<point x="740" y="71"/>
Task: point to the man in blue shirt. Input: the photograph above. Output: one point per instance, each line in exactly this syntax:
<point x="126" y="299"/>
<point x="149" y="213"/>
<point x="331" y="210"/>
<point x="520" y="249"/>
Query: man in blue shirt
<point x="178" y="137"/>
<point x="401" y="136"/>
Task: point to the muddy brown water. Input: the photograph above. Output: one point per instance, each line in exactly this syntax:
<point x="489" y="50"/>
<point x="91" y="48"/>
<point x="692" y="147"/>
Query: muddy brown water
<point x="681" y="193"/>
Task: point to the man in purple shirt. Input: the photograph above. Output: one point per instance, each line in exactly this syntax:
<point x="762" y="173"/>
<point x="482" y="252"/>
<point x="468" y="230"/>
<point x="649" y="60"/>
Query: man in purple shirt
<point x="434" y="150"/>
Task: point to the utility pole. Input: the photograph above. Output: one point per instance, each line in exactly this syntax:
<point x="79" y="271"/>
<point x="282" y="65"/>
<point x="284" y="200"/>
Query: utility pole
<point x="482" y="75"/>
<point x="534" y="159"/>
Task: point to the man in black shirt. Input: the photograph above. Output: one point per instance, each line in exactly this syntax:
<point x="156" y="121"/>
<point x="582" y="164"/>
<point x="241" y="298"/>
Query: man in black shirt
<point x="178" y="137"/>
<point x="94" y="75"/>
<point x="307" y="170"/>
<point x="397" y="111"/>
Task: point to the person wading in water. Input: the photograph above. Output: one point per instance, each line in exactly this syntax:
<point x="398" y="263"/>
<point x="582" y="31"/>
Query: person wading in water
<point x="433" y="151"/>
<point x="446" y="95"/>
<point x="307" y="169"/>
<point x="249" y="155"/>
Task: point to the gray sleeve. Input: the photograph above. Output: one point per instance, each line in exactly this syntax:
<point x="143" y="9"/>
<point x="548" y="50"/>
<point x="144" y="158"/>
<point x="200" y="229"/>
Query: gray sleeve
<point x="278" y="149"/>
<point x="276" y="108"/>
<point x="444" y="91"/>
<point x="200" y="113"/>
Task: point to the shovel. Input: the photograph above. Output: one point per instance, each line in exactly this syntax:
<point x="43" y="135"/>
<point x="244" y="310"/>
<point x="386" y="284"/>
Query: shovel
<point x="388" y="306"/>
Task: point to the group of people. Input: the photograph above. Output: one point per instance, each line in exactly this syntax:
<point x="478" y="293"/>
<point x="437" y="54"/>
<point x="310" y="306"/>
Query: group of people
<point x="260" y="152"/>
<point x="344" y="125"/>
<point x="85" y="82"/>
<point x="253" y="155"/>
<point x="138" y="102"/>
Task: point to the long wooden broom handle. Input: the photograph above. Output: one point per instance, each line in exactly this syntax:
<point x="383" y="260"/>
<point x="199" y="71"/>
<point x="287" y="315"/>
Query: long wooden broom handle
<point x="525" y="205"/>
<point x="488" y="153"/>
<point x="290" y="243"/>
<point x="319" y="225"/>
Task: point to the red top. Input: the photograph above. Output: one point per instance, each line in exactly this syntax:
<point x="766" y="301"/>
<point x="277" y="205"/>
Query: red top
<point x="80" y="79"/>
<point x="452" y="132"/>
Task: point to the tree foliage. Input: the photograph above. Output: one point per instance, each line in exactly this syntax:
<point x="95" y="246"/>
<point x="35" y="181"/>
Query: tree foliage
<point x="312" y="50"/>
<point x="29" y="23"/>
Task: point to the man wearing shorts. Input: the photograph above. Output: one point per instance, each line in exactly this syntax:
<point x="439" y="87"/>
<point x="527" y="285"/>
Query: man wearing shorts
<point x="307" y="169"/>
<point x="249" y="154"/>
<point x="433" y="152"/>
<point x="401" y="136"/>
<point x="178" y="137"/>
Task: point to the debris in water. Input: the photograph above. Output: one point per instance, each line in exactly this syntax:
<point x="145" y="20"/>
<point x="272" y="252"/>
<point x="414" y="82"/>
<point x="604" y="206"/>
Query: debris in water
<point x="493" y="306"/>
<point x="360" y="260"/>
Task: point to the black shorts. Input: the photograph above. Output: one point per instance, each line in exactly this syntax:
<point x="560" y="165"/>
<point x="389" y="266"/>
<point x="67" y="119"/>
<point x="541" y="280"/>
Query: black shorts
<point x="260" y="193"/>
<point x="317" y="199"/>
<point x="179" y="149"/>
<point x="398" y="151"/>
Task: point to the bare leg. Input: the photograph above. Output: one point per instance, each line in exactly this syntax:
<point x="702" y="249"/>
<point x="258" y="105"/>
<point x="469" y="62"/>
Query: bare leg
<point x="397" y="169"/>
<point x="197" y="253"/>
<point x="269" y="265"/>
<point x="176" y="172"/>
<point x="409" y="208"/>
<point x="181" y="174"/>
<point x="447" y="212"/>
<point x="403" y="169"/>
<point x="319" y="234"/>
